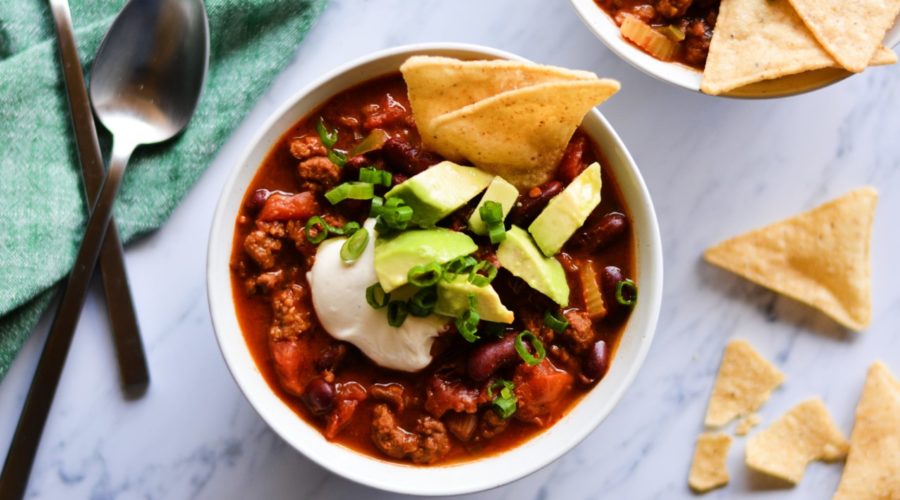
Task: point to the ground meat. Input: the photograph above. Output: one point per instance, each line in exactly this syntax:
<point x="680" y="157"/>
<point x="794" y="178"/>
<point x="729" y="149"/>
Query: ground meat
<point x="262" y="247"/>
<point x="580" y="332"/>
<point x="538" y="390"/>
<point x="349" y="396"/>
<point x="698" y="34"/>
<point x="428" y="444"/>
<point x="491" y="424"/>
<point x="449" y="394"/>
<point x="291" y="314"/>
<point x="318" y="174"/>
<point x="307" y="146"/>
<point x="389" y="393"/>
<point x="264" y="283"/>
<point x="673" y="8"/>
<point x="296" y="231"/>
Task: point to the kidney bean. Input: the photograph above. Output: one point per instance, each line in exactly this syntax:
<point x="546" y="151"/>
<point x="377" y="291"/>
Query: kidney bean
<point x="490" y="357"/>
<point x="319" y="396"/>
<point x="530" y="204"/>
<point x="406" y="158"/>
<point x="596" y="361"/>
<point x="602" y="232"/>
<point x="256" y="200"/>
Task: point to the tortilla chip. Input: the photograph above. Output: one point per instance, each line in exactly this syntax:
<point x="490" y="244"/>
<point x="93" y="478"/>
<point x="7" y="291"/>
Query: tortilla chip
<point x="522" y="134"/>
<point x="819" y="257"/>
<point x="744" y="383"/>
<point x="438" y="85"/>
<point x="803" y="434"/>
<point x="708" y="470"/>
<point x="747" y="423"/>
<point x="873" y="465"/>
<point x="850" y="31"/>
<point x="758" y="40"/>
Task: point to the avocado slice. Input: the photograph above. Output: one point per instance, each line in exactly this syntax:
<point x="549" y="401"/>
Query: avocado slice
<point x="519" y="255"/>
<point x="500" y="191"/>
<point x="395" y="256"/>
<point x="453" y="299"/>
<point x="567" y="211"/>
<point x="439" y="190"/>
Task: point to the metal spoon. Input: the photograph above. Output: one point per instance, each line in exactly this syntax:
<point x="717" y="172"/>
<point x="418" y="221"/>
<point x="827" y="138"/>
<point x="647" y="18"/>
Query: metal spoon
<point x="145" y="84"/>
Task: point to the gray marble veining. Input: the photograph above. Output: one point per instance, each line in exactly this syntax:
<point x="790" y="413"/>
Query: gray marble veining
<point x="715" y="167"/>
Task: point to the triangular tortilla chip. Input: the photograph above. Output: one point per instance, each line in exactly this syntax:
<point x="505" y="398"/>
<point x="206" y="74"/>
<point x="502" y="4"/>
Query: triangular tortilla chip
<point x="520" y="134"/>
<point x="819" y="257"/>
<point x="803" y="434"/>
<point x="873" y="465"/>
<point x="708" y="469"/>
<point x="744" y="383"/>
<point x="850" y="31"/>
<point x="438" y="85"/>
<point x="758" y="40"/>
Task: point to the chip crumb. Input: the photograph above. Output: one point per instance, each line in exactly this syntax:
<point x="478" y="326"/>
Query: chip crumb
<point x="873" y="464"/>
<point x="708" y="470"/>
<point x="803" y="434"/>
<point x="747" y="423"/>
<point x="744" y="383"/>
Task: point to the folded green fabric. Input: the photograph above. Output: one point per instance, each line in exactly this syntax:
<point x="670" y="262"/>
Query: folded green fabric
<point x="42" y="211"/>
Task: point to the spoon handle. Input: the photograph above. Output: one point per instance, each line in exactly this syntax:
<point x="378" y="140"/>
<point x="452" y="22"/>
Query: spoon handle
<point x="19" y="459"/>
<point x="120" y="307"/>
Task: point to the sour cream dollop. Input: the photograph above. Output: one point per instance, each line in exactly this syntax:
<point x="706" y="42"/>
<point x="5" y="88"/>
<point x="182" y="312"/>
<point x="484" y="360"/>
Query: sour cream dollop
<point x="339" y="297"/>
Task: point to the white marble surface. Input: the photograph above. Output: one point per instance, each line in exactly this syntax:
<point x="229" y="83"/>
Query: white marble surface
<point x="715" y="167"/>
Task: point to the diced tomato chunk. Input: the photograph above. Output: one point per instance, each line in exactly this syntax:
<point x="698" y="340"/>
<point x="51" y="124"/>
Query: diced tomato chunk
<point x="539" y="389"/>
<point x="285" y="207"/>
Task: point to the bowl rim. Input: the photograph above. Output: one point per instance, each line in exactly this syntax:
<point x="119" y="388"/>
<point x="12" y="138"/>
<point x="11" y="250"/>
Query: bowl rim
<point x="601" y="24"/>
<point x="455" y="478"/>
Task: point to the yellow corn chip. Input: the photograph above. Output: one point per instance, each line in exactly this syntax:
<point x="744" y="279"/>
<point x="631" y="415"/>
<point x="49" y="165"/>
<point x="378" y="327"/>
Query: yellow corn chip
<point x="873" y="465"/>
<point x="521" y="134"/>
<point x="850" y="30"/>
<point x="819" y="257"/>
<point x="438" y="85"/>
<point x="803" y="434"/>
<point x="708" y="470"/>
<point x="747" y="423"/>
<point x="758" y="40"/>
<point x="744" y="383"/>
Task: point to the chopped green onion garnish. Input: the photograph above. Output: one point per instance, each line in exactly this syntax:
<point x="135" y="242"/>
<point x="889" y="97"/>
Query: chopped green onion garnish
<point x="394" y="202"/>
<point x="329" y="137"/>
<point x="505" y="401"/>
<point x="482" y="274"/>
<point x="422" y="303"/>
<point x="351" y="191"/>
<point x="497" y="232"/>
<point x="425" y="275"/>
<point x="339" y="158"/>
<point x="396" y="313"/>
<point x="461" y="264"/>
<point x="316" y="230"/>
<point x="375" y="176"/>
<point x="556" y="322"/>
<point x="398" y="217"/>
<point x="354" y="246"/>
<point x="536" y="343"/>
<point x="377" y="204"/>
<point x="491" y="212"/>
<point x="626" y="292"/>
<point x="376" y="297"/>
<point x="467" y="322"/>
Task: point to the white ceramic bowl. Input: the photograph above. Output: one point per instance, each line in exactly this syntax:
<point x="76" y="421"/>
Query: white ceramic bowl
<point x="457" y="478"/>
<point x="683" y="76"/>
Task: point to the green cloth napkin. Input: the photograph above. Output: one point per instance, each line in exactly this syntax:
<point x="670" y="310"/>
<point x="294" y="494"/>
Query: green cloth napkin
<point x="42" y="211"/>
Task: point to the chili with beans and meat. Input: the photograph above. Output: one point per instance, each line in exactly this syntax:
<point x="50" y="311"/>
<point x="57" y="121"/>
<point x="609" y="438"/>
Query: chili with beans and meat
<point x="474" y="399"/>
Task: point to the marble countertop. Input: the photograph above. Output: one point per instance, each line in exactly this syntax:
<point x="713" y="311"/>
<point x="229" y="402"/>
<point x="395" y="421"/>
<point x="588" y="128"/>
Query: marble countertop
<point x="715" y="167"/>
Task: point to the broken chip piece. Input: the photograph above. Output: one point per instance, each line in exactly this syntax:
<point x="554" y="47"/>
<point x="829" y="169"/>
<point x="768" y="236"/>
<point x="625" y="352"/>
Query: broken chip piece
<point x="803" y="434"/>
<point x="744" y="383"/>
<point x="819" y="257"/>
<point x="708" y="469"/>
<point x="873" y="464"/>
<point x="747" y="423"/>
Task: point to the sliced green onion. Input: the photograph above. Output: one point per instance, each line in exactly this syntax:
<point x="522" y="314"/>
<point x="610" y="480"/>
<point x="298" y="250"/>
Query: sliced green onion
<point x="376" y="297"/>
<point x="316" y="230"/>
<point x="422" y="303"/>
<point x="482" y="274"/>
<point x="496" y="232"/>
<point x="354" y="246"/>
<point x="425" y="275"/>
<point x="505" y="401"/>
<point x="375" y="176"/>
<point x="351" y="191"/>
<point x="337" y="157"/>
<point x="347" y="229"/>
<point x="536" y="343"/>
<point x="491" y="212"/>
<point x="397" y="217"/>
<point x="467" y="322"/>
<point x="376" y="138"/>
<point x="377" y="204"/>
<point x="626" y="292"/>
<point x="556" y="322"/>
<point x="396" y="313"/>
<point x="329" y="137"/>
<point x="394" y="202"/>
<point x="461" y="264"/>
